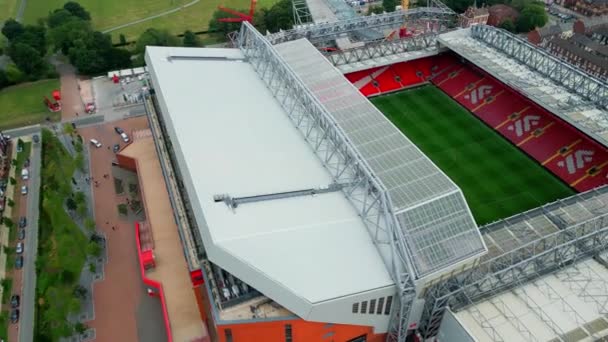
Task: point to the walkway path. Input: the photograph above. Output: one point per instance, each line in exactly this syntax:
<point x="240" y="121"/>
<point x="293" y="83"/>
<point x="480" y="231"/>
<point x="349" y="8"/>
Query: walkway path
<point x="150" y="17"/>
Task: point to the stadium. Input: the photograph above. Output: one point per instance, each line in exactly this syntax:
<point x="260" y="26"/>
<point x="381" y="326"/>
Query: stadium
<point x="331" y="184"/>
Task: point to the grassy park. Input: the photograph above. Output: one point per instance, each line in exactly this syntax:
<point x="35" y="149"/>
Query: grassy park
<point x="498" y="180"/>
<point x="105" y="14"/>
<point x="8" y="8"/>
<point x="195" y="18"/>
<point x="22" y="105"/>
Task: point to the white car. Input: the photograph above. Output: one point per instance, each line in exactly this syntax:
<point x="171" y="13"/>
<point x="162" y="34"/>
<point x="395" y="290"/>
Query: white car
<point x="25" y="174"/>
<point x="19" y="248"/>
<point x="95" y="143"/>
<point x="124" y="137"/>
<point x="24" y="190"/>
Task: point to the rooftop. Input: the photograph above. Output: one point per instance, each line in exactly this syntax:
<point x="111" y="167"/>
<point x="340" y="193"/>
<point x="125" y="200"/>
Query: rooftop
<point x="171" y="269"/>
<point x="231" y="137"/>
<point x="436" y="221"/>
<point x="572" y="108"/>
<point x="568" y="305"/>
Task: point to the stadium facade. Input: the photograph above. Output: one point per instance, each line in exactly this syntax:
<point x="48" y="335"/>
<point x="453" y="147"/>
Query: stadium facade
<point x="308" y="216"/>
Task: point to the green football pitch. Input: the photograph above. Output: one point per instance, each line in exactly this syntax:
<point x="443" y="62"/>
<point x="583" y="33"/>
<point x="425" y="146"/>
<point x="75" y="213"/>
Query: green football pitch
<point x="498" y="180"/>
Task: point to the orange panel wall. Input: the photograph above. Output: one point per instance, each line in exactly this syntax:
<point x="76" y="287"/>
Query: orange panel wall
<point x="126" y="162"/>
<point x="301" y="331"/>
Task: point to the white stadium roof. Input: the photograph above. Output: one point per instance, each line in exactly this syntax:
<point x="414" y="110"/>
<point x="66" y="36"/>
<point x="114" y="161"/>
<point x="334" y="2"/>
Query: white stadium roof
<point x="436" y="221"/>
<point x="557" y="99"/>
<point x="232" y="137"/>
<point x="568" y="305"/>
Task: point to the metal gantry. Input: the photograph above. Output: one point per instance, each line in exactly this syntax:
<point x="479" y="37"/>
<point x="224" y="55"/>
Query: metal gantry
<point x="382" y="49"/>
<point x="573" y="242"/>
<point x="336" y="152"/>
<point x="565" y="74"/>
<point x="323" y="34"/>
<point x="301" y="13"/>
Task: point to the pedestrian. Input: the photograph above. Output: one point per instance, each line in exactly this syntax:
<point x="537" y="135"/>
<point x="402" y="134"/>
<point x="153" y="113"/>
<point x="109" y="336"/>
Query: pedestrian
<point x="113" y="228"/>
<point x="76" y="113"/>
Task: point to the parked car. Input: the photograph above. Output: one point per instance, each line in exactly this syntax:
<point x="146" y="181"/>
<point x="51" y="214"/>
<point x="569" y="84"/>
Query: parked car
<point x="21" y="234"/>
<point x="15" y="301"/>
<point x="24" y="190"/>
<point x="22" y="222"/>
<point x="115" y="148"/>
<point x="19" y="262"/>
<point x="26" y="163"/>
<point x="36" y="138"/>
<point x="19" y="248"/>
<point x="119" y="130"/>
<point x="15" y="316"/>
<point x="95" y="143"/>
<point x="124" y="137"/>
<point x="25" y="174"/>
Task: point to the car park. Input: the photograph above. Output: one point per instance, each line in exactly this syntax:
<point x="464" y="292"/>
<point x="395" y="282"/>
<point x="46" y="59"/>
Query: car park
<point x="19" y="248"/>
<point x="95" y="143"/>
<point x="19" y="262"/>
<point x="15" y="316"/>
<point x="15" y="300"/>
<point x="24" y="190"/>
<point x="21" y="234"/>
<point x="22" y="222"/>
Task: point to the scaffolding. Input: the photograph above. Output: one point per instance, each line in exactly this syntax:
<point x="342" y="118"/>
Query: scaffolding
<point x="522" y="249"/>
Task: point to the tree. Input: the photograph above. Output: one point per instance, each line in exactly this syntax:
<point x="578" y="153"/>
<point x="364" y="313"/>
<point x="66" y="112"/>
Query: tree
<point x="93" y="249"/>
<point x="375" y="9"/>
<point x="3" y="79"/>
<point x="34" y="36"/>
<point x="11" y="203"/>
<point x="531" y="17"/>
<point x="89" y="224"/>
<point x="459" y="6"/>
<point x="27" y="59"/>
<point x="77" y="10"/>
<point x="389" y="5"/>
<point x="8" y="222"/>
<point x="12" y="29"/>
<point x="13" y="74"/>
<point x="80" y="292"/>
<point x="79" y="197"/>
<point x="508" y="25"/>
<point x="81" y="209"/>
<point x="80" y="328"/>
<point x="65" y="36"/>
<point x="60" y="17"/>
<point x="190" y="39"/>
<point x="155" y="37"/>
<point x="79" y="161"/>
<point x="70" y="203"/>
<point x="279" y="16"/>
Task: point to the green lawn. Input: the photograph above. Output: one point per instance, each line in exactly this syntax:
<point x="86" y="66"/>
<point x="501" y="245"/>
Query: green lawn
<point x="498" y="180"/>
<point x="23" y="105"/>
<point x="105" y="14"/>
<point x="8" y="9"/>
<point x="195" y="18"/>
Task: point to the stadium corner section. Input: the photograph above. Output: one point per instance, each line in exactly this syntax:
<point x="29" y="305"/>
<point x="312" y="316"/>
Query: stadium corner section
<point x="567" y="153"/>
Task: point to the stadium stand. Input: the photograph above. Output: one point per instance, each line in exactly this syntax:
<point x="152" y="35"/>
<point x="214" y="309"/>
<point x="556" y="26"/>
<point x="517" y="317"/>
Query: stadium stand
<point x="571" y="155"/>
<point x="402" y="75"/>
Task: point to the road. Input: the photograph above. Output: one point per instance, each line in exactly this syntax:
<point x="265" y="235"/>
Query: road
<point x="28" y="291"/>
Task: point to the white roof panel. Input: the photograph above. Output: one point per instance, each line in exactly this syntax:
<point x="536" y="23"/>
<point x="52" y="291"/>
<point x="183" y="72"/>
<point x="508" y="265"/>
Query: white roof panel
<point x="436" y="221"/>
<point x="232" y="137"/>
<point x="567" y="305"/>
